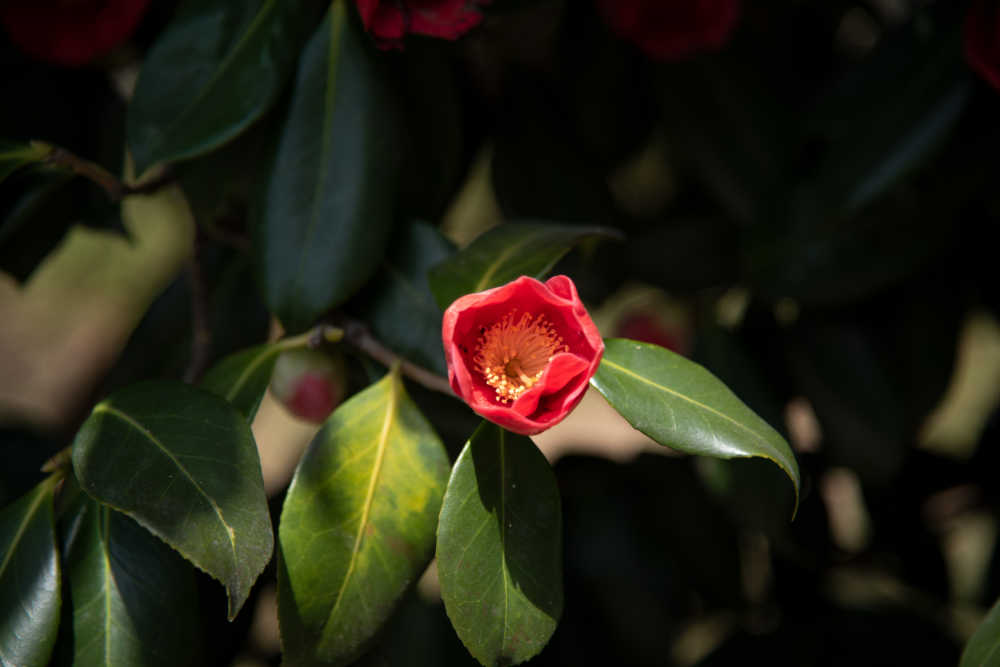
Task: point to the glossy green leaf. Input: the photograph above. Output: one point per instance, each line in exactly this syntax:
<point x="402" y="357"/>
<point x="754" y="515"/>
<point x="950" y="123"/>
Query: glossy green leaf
<point x="29" y="579"/>
<point x="327" y="209"/>
<point x="13" y="156"/>
<point x="983" y="648"/>
<point x="504" y="253"/>
<point x="499" y="548"/>
<point x="357" y="527"/>
<point x="215" y="70"/>
<point x="183" y="463"/>
<point x="242" y="377"/>
<point x="132" y="597"/>
<point x="400" y="309"/>
<point x="683" y="406"/>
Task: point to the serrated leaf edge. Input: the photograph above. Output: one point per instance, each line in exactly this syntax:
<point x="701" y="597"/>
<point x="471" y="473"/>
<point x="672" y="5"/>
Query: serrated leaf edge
<point x="230" y="533"/>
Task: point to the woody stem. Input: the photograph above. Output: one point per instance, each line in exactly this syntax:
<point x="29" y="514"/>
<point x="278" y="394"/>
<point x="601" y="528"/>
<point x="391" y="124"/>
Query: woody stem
<point x="357" y="334"/>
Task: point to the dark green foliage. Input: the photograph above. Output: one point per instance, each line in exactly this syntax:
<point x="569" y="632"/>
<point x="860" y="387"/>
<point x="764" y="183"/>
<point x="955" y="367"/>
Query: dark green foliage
<point x="812" y="202"/>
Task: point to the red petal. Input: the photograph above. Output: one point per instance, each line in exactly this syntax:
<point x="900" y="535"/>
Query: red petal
<point x="565" y="379"/>
<point x="366" y="8"/>
<point x="561" y="370"/>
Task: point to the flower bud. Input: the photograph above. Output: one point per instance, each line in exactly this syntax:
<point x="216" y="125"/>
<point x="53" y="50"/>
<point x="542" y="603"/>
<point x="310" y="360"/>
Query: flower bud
<point x="309" y="383"/>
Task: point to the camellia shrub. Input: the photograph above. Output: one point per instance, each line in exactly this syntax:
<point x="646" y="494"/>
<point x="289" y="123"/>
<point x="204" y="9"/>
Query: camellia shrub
<point x="460" y="238"/>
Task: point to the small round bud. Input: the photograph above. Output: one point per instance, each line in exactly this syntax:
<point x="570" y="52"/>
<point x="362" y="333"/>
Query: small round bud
<point x="309" y="383"/>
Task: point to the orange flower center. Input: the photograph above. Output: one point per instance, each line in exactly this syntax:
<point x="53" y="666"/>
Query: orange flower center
<point x="513" y="353"/>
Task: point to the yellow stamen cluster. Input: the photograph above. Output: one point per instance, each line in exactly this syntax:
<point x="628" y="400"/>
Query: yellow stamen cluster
<point x="513" y="353"/>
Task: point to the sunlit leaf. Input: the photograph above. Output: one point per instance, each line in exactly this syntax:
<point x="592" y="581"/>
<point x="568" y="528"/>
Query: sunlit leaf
<point x="499" y="548"/>
<point x="183" y="463"/>
<point x="357" y="527"/>
<point x="503" y="253"/>
<point x="683" y="406"/>
<point x="29" y="579"/>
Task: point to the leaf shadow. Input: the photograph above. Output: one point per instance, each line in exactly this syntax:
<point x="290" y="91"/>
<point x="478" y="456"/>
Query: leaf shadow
<point x="517" y="486"/>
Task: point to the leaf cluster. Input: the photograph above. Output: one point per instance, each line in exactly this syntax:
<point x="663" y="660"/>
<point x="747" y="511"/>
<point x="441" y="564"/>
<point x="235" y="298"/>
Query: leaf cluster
<point x="815" y="231"/>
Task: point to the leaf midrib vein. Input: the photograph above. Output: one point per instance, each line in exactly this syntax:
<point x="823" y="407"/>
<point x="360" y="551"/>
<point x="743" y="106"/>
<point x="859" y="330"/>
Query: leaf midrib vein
<point x="20" y="530"/>
<point x="270" y="351"/>
<point x="223" y="65"/>
<point x="503" y="534"/>
<point x="104" y="524"/>
<point x="369" y="497"/>
<point x="491" y="270"/>
<point x="684" y="397"/>
<point x="230" y="534"/>
<point x="329" y="100"/>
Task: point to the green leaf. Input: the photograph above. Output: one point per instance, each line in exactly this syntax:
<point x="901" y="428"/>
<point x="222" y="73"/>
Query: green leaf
<point x="357" y="526"/>
<point x="328" y="205"/>
<point x="183" y="463"/>
<point x="215" y="70"/>
<point x="29" y="579"/>
<point x="983" y="648"/>
<point x="504" y="253"/>
<point x="242" y="377"/>
<point x="499" y="548"/>
<point x="400" y="309"/>
<point x="133" y="599"/>
<point x="683" y="406"/>
<point x="13" y="156"/>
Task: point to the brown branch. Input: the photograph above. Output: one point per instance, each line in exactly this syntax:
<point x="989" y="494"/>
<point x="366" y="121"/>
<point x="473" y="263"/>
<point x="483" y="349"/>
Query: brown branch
<point x="111" y="184"/>
<point x="358" y="335"/>
<point x="201" y="333"/>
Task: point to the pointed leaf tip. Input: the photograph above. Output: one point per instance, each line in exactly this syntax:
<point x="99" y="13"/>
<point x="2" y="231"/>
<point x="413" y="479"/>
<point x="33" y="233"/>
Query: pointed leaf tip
<point x="681" y="405"/>
<point x="183" y="463"/>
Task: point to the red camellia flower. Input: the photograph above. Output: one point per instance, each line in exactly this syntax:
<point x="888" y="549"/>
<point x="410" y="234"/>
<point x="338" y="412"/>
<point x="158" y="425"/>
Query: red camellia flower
<point x="70" y="32"/>
<point x="982" y="39"/>
<point x="389" y="20"/>
<point x="672" y="29"/>
<point x="521" y="355"/>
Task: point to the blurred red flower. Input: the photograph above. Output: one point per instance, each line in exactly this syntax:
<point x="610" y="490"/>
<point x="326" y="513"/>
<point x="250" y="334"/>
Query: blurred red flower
<point x="521" y="355"/>
<point x="70" y="32"/>
<point x="672" y="29"/>
<point x="389" y="21"/>
<point x="982" y="39"/>
<point x="649" y="329"/>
